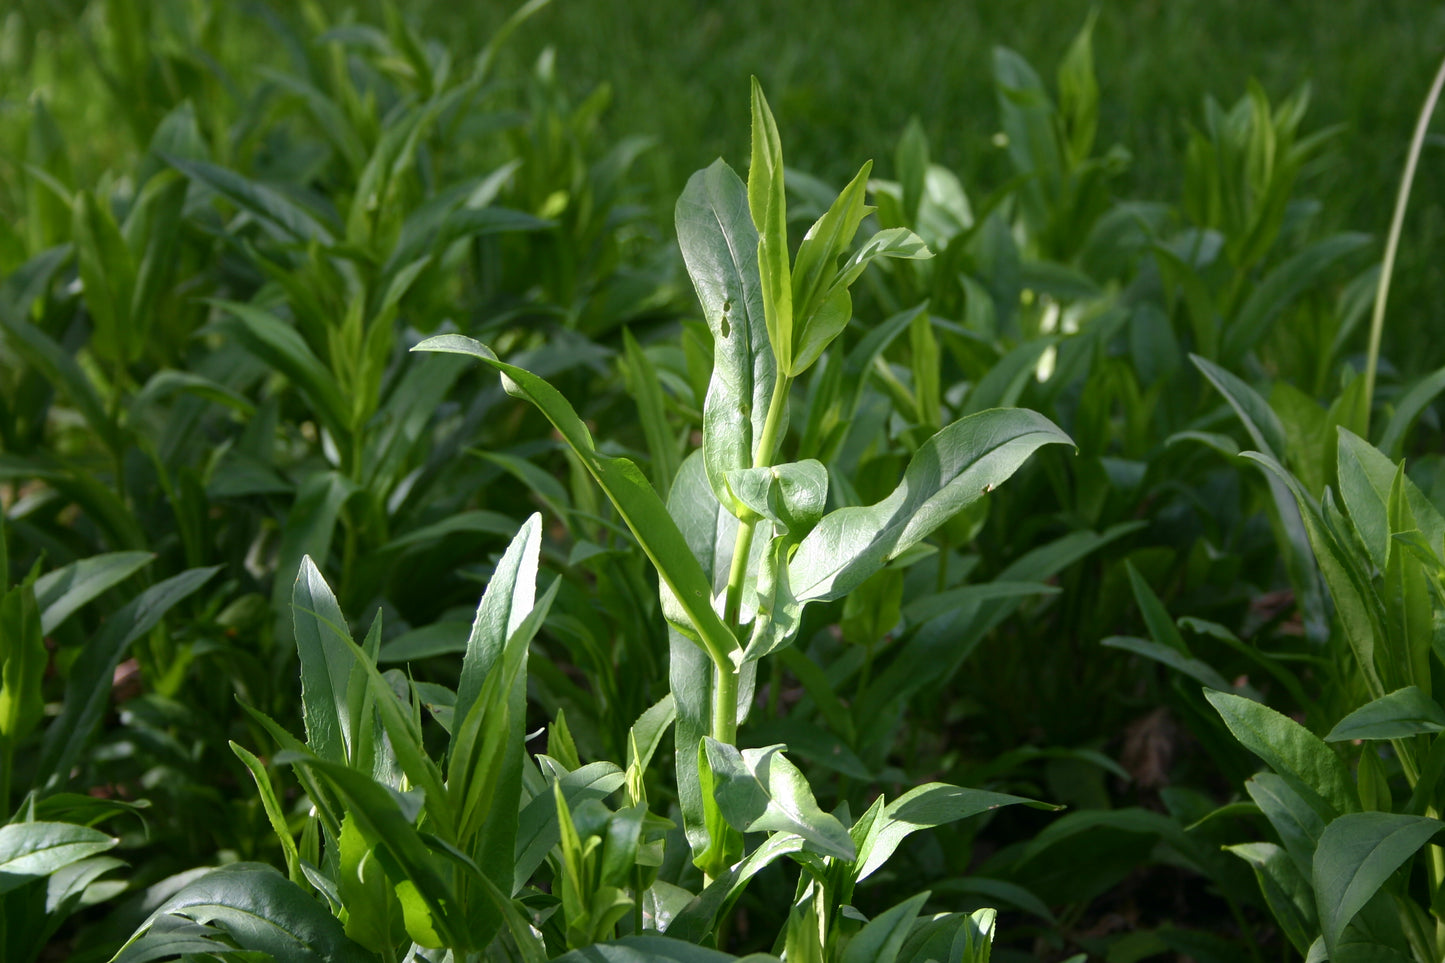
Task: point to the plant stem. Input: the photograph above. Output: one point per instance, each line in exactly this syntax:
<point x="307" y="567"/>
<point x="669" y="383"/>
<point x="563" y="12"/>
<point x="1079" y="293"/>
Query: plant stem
<point x="725" y="691"/>
<point x="725" y="703"/>
<point x="1392" y="244"/>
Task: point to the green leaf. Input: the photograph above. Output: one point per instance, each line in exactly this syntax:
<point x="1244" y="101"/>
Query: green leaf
<point x="87" y="691"/>
<point x="911" y="160"/>
<point x="538" y="830"/>
<point x="836" y="309"/>
<point x="1297" y="274"/>
<point x="1199" y="671"/>
<point x="654" y="949"/>
<point x="373" y="916"/>
<point x="1402" y="713"/>
<point x="1304" y="761"/>
<point x="23" y="660"/>
<point x="882" y="937"/>
<point x="816" y="266"/>
<point x="1286" y="890"/>
<point x="767" y="203"/>
<point x="1408" y="408"/>
<point x="152" y="230"/>
<point x="1357" y="855"/>
<point x="1161" y="627"/>
<point x="646" y="390"/>
<point x="1079" y="93"/>
<point x="107" y="274"/>
<point x="282" y="347"/>
<point x="282" y="217"/>
<point x="61" y="592"/>
<point x="260" y="910"/>
<point x="1297" y="822"/>
<point x="642" y="741"/>
<point x="1254" y="412"/>
<point x="33" y="850"/>
<point x="638" y="504"/>
<point x="699" y="917"/>
<point x="792" y="495"/>
<point x="925" y="807"/>
<point x="951" y="470"/>
<point x="720" y="247"/>
<point x="47" y="356"/>
<point x="1366" y="477"/>
<point x="758" y="790"/>
<point x="274" y="813"/>
<point x="377" y="812"/>
<point x="1340" y="567"/>
<point x="958" y="937"/>
<point x="504" y="608"/>
<point x="326" y="665"/>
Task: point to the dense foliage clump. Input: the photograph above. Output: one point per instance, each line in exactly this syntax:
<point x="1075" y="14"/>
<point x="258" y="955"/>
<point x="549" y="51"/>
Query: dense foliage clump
<point x="905" y="572"/>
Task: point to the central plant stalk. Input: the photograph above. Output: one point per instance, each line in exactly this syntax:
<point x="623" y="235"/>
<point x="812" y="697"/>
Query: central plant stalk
<point x="725" y="690"/>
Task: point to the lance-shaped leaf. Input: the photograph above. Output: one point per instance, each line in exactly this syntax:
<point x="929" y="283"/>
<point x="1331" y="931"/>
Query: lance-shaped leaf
<point x="1366" y="477"/>
<point x="1309" y="766"/>
<point x="61" y="592"/>
<point x="505" y="605"/>
<point x="816" y="268"/>
<point x="378" y="813"/>
<point x="720" y="247"/>
<point x="768" y="205"/>
<point x="882" y="937"/>
<point x="951" y="470"/>
<point x="260" y="910"/>
<point x="836" y="309"/>
<point x="32" y="850"/>
<point x="656" y="949"/>
<point x="87" y="691"/>
<point x="758" y="790"/>
<point x="1404" y="712"/>
<point x="924" y="807"/>
<point x="698" y="917"/>
<point x="1297" y="822"/>
<point x="1285" y="889"/>
<point x="635" y="499"/>
<point x="1357" y="855"/>
<point x="326" y="664"/>
<point x="1355" y="602"/>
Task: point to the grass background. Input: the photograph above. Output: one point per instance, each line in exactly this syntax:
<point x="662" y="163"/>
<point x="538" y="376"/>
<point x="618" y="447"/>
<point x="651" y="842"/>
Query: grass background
<point x="845" y="77"/>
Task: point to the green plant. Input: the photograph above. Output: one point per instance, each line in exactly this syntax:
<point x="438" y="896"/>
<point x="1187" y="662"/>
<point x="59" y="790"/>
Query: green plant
<point x="742" y="546"/>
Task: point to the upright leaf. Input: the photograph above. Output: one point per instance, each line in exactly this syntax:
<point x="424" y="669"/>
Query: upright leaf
<point x="720" y="247"/>
<point x="768" y="205"/>
<point x="326" y="665"/>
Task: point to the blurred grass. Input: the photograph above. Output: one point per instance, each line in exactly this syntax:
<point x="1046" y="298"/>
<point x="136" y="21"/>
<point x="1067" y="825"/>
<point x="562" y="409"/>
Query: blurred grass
<point x="845" y="77"/>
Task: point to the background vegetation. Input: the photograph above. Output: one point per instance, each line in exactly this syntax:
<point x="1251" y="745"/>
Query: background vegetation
<point x="224" y="228"/>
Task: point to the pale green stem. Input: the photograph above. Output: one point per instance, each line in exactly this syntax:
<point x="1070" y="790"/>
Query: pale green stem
<point x="1392" y="243"/>
<point x="725" y="691"/>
